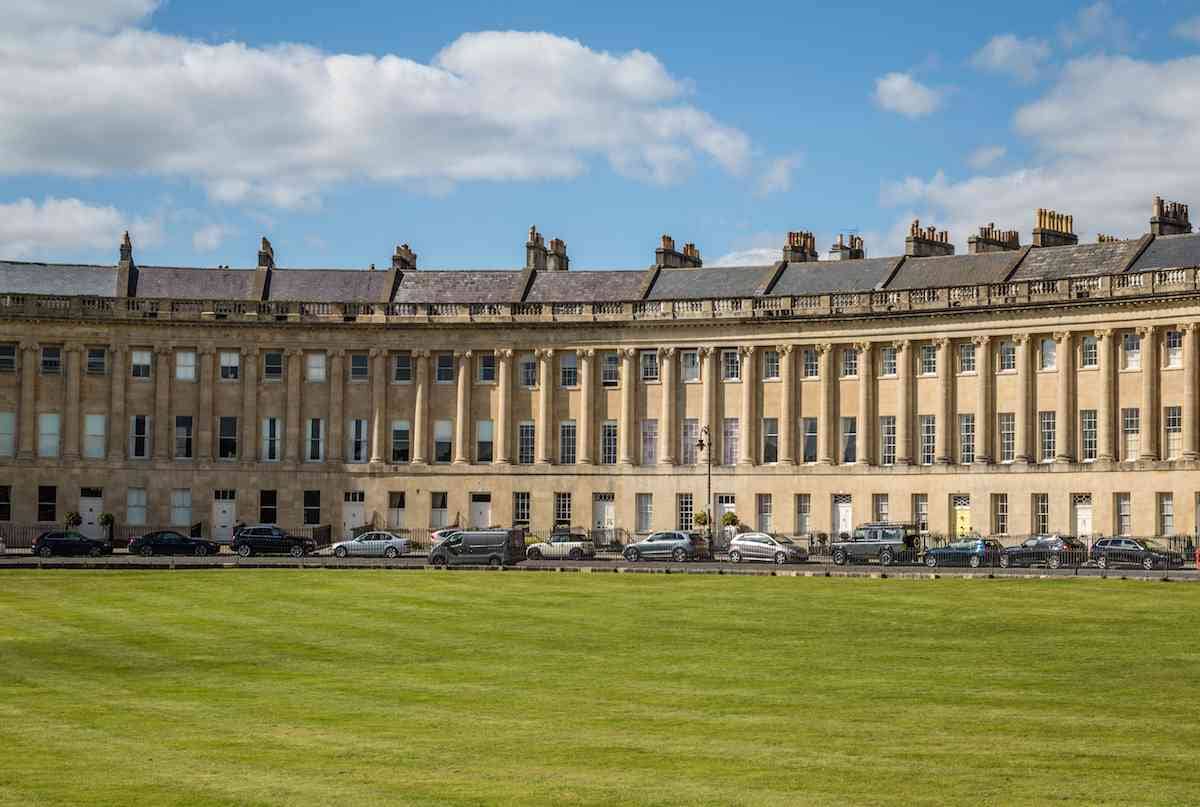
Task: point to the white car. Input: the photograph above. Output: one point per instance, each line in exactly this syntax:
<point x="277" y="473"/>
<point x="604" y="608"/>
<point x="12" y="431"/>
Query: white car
<point x="377" y="543"/>
<point x="573" y="545"/>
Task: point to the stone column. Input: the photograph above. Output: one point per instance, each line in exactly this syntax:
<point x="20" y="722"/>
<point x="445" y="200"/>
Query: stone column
<point x="337" y="392"/>
<point x="668" y="432"/>
<point x="943" y="439"/>
<point x="866" y="399"/>
<point x="544" y="435"/>
<point x="904" y="401"/>
<point x="116" y="406"/>
<point x="1190" y="449"/>
<point x="747" y="451"/>
<point x="162" y="401"/>
<point x="708" y="384"/>
<point x="462" y="408"/>
<point x="503" y="429"/>
<point x="1065" y="412"/>
<point x="71" y="425"/>
<point x="420" y="435"/>
<point x="787" y="399"/>
<point x="379" y="416"/>
<point x="587" y="412"/>
<point x="983" y="400"/>
<point x="1104" y="412"/>
<point x="826" y="430"/>
<point x="1150" y="373"/>
<point x="28" y="417"/>
<point x="1021" y="416"/>
<point x="294" y="429"/>
<point x="204" y="416"/>
<point x="250" y="427"/>
<point x="625" y="428"/>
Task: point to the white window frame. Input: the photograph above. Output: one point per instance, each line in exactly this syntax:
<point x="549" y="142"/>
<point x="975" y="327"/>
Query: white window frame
<point x="649" y="441"/>
<point x="887" y="362"/>
<point x="145" y="435"/>
<point x="770" y="365"/>
<point x="966" y="357"/>
<point x="485" y="436"/>
<point x="648" y="363"/>
<point x="230" y="365"/>
<point x="770" y="441"/>
<point x="966" y="438"/>
<point x="644" y="509"/>
<point x="181" y="507"/>
<point x="185" y="365"/>
<point x="49" y="434"/>
<point x="443" y="434"/>
<point x="135" y="507"/>
<point x="314" y="438"/>
<point x="272" y="439"/>
<point x="315" y="370"/>
<point x="141" y="364"/>
<point x="927" y="425"/>
<point x="887" y="440"/>
<point x="1047" y="435"/>
<point x="568" y="370"/>
<point x="526" y="442"/>
<point x="689" y="366"/>
<point x="849" y="362"/>
<point x="731" y="366"/>
<point x="567" y="442"/>
<point x="609" y="441"/>
<point x="1088" y="435"/>
<point x="689" y="435"/>
<point x="95" y="436"/>
<point x="731" y="434"/>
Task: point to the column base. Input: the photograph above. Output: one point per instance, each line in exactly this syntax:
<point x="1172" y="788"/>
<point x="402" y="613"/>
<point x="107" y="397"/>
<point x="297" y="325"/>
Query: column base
<point x="745" y="463"/>
<point x="459" y="461"/>
<point x="74" y="456"/>
<point x="786" y="462"/>
<point x="944" y="461"/>
<point x="983" y="461"/>
<point x="667" y="462"/>
<point x="1190" y="456"/>
<point x="25" y="456"/>
<point x="1063" y="460"/>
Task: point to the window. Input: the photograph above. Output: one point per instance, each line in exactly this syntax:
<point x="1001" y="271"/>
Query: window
<point x="315" y="451"/>
<point x="1006" y="357"/>
<point x="1174" y="345"/>
<point x="135" y="507"/>
<point x="47" y="506"/>
<point x="966" y="357"/>
<point x="610" y="369"/>
<point x="645" y="512"/>
<point x="525" y="443"/>
<point x="52" y="361"/>
<point x="1047" y="354"/>
<point x="438" y="508"/>
<point x="1087" y="434"/>
<point x="770" y="440"/>
<point x="608" y="443"/>
<point x="803" y="513"/>
<point x="8" y="425"/>
<point x="689" y="436"/>
<point x="401" y="441"/>
<point x="484" y="441"/>
<point x="1131" y="350"/>
<point x="1166" y="514"/>
<point x="402" y="368"/>
<point x="684" y="511"/>
<point x="810" y="364"/>
<point x="762" y="509"/>
<point x="183" y="437"/>
<point x="887" y="361"/>
<point x="97" y="361"/>
<point x="314" y="367"/>
<point x="312" y="507"/>
<point x="356" y="440"/>
<point x="770" y="364"/>
<point x="649" y="442"/>
<point x="1089" y="352"/>
<point x="887" y="440"/>
<point x="849" y="362"/>
<point x="444" y="372"/>
<point x="562" y="508"/>
<point x="230" y="365"/>
<point x="529" y="370"/>
<point x="879" y="506"/>
<point x="48" y="434"/>
<point x="1131" y="428"/>
<point x="809" y="428"/>
<point x="966" y="439"/>
<point x="849" y="440"/>
<point x="999" y="514"/>
<point x="139" y="364"/>
<point x="928" y="360"/>
<point x="521" y="508"/>
<point x="1046" y="437"/>
<point x="139" y="437"/>
<point x="1123" y="507"/>
<point x="649" y="364"/>
<point x="487" y="368"/>
<point x="920" y="508"/>
<point x="268" y="507"/>
<point x="689" y="364"/>
<point x="360" y="366"/>
<point x="566" y="442"/>
<point x="731" y="366"/>
<point x="227" y="438"/>
<point x="730" y="432"/>
<point x="1006" y="425"/>
<point x="8" y="358"/>
<point x="5" y="502"/>
<point x="271" y="437"/>
<point x="1173" y="424"/>
<point x="443" y="445"/>
<point x="181" y="507"/>
<point x="185" y="366"/>
<point x="928" y="438"/>
<point x="568" y="370"/>
<point x="1041" y="513"/>
<point x="272" y="365"/>
<point x="93" y="436"/>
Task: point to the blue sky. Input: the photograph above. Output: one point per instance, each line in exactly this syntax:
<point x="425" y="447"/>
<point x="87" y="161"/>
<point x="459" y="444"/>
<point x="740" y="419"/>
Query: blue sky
<point x="340" y="133"/>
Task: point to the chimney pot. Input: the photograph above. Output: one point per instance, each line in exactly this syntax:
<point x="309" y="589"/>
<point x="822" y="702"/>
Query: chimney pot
<point x="928" y="242"/>
<point x="266" y="255"/>
<point x="1054" y="229"/>
<point x="557" y="260"/>
<point x="535" y="250"/>
<point x="1170" y="218"/>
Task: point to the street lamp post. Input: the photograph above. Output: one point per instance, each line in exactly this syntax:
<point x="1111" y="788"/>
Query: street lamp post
<point x="705" y="444"/>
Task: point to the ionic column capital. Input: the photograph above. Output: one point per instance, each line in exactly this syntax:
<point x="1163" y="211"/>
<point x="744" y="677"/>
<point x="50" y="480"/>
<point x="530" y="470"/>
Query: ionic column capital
<point x="863" y="347"/>
<point x="981" y="341"/>
<point x="424" y="354"/>
<point x="704" y="351"/>
<point x="586" y="353"/>
<point x="375" y="352"/>
<point x="1146" y="331"/>
<point x="1020" y="339"/>
<point x="504" y="354"/>
<point x="1062" y="336"/>
<point x="785" y="349"/>
<point x="666" y="352"/>
<point x="1104" y="334"/>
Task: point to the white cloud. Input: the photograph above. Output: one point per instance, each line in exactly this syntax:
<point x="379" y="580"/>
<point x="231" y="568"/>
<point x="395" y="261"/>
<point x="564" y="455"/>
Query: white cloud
<point x="1012" y="56"/>
<point x="757" y="256"/>
<point x="900" y="92"/>
<point x="984" y="156"/>
<point x="1188" y="29"/>
<point x="64" y="226"/>
<point x="777" y="177"/>
<point x="280" y="124"/>
<point x="209" y="237"/>
<point x="1096" y="23"/>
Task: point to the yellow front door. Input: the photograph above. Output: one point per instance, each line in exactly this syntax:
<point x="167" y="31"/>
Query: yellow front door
<point x="962" y="521"/>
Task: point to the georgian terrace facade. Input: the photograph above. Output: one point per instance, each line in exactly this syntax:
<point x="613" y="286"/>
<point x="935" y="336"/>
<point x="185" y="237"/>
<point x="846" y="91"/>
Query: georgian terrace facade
<point x="1008" y="391"/>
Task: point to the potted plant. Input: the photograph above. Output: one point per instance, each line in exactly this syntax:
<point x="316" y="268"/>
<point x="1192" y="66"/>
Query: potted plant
<point x="700" y="519"/>
<point x="730" y="519"/>
<point x="72" y="520"/>
<point x="107" y="521"/>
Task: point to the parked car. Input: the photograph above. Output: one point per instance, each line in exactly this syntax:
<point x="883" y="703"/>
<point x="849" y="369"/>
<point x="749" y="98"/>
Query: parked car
<point x="480" y="548"/>
<point x="1052" y="550"/>
<point x="573" y="544"/>
<point x="973" y="552"/>
<point x="170" y="542"/>
<point x="267" y="539"/>
<point x="882" y="541"/>
<point x="676" y="545"/>
<point x="761" y="546"/>
<point x="375" y="544"/>
<point x="1109" y="552"/>
<point x="437" y="536"/>
<point x="69" y="542"/>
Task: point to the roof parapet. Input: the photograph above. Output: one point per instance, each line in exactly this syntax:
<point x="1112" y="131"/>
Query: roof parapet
<point x="1170" y="218"/>
<point x="666" y="256"/>
<point x="535" y="250"/>
<point x="991" y="239"/>
<point x="928" y="242"/>
<point x="404" y="259"/>
<point x="1054" y="229"/>
<point x="800" y="247"/>
<point x="848" y="251"/>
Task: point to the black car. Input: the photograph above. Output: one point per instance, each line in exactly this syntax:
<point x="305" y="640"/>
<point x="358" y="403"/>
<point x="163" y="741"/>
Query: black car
<point x="1108" y="552"/>
<point x="169" y="542"/>
<point x="1051" y="550"/>
<point x="69" y="542"/>
<point x="973" y="552"/>
<point x="267" y="539"/>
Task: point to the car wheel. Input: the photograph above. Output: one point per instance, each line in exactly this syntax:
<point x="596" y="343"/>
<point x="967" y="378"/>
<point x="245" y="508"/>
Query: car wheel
<point x="201" y="550"/>
<point x="296" y="551"/>
<point x="839" y="557"/>
<point x="535" y="554"/>
<point x="1147" y="563"/>
<point x="1004" y="561"/>
<point x="391" y="552"/>
<point x="1054" y="562"/>
<point x="494" y="562"/>
<point x="679" y="556"/>
<point x="631" y="555"/>
<point x="147" y="550"/>
<point x="931" y="561"/>
<point x="1102" y="561"/>
<point x="575" y="554"/>
<point x="45" y="552"/>
<point x="885" y="557"/>
<point x="94" y="552"/>
<point x="340" y="552"/>
<point x="245" y="551"/>
<point x="780" y="558"/>
<point x="735" y="556"/>
<point x="437" y="561"/>
<point x="974" y="561"/>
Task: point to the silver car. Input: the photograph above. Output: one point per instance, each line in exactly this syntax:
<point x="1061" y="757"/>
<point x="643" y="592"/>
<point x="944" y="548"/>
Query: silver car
<point x="764" y="547"/>
<point x="376" y="544"/>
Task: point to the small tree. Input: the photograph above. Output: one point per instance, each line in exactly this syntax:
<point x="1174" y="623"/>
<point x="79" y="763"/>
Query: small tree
<point x="700" y="519"/>
<point x="73" y="520"/>
<point x="107" y="521"/>
<point x="730" y="519"/>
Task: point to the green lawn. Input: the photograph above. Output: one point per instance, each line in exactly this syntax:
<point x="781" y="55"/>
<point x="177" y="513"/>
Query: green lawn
<point x="386" y="687"/>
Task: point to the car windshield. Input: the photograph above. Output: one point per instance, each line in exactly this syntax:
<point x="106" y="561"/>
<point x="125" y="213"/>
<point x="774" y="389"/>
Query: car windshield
<point x="784" y="540"/>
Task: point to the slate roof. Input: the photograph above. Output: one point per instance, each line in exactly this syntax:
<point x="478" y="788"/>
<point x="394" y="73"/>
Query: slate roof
<point x="570" y="287"/>
<point x="708" y="281"/>
<point x="954" y="270"/>
<point x="449" y="286"/>
<point x="195" y="284"/>
<point x="329" y="286"/>
<point x="18" y="277"/>
<point x="817" y="277"/>
<point x="1170" y="252"/>
<point x="1053" y="263"/>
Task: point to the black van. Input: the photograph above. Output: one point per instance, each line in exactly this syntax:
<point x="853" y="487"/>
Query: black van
<point x="480" y="548"/>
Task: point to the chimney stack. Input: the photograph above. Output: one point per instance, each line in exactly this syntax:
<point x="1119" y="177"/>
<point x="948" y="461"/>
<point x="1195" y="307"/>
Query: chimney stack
<point x="1104" y="238"/>
<point x="126" y="270"/>
<point x="535" y="250"/>
<point x="1170" y="218"/>
<point x="557" y="260"/>
<point x="666" y="257"/>
<point x="266" y="255"/>
<point x="1054" y="229"/>
<point x="927" y="243"/>
<point x="800" y="247"/>
<point x="405" y="259"/>
<point x="992" y="240"/>
<point x="848" y="251"/>
<point x="127" y="249"/>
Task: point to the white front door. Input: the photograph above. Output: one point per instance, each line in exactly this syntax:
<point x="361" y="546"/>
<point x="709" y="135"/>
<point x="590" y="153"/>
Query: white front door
<point x="481" y="510"/>
<point x="604" y="511"/>
<point x="354" y="514"/>
<point x="1083" y="520"/>
<point x="224" y="516"/>
<point x="842" y="516"/>
<point x="90" y="508"/>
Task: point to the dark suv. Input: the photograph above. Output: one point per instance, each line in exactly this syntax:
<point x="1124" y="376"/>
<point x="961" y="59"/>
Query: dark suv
<point x="69" y="542"/>
<point x="1052" y="550"/>
<point x="1134" y="552"/>
<point x="267" y="539"/>
<point x="883" y="541"/>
